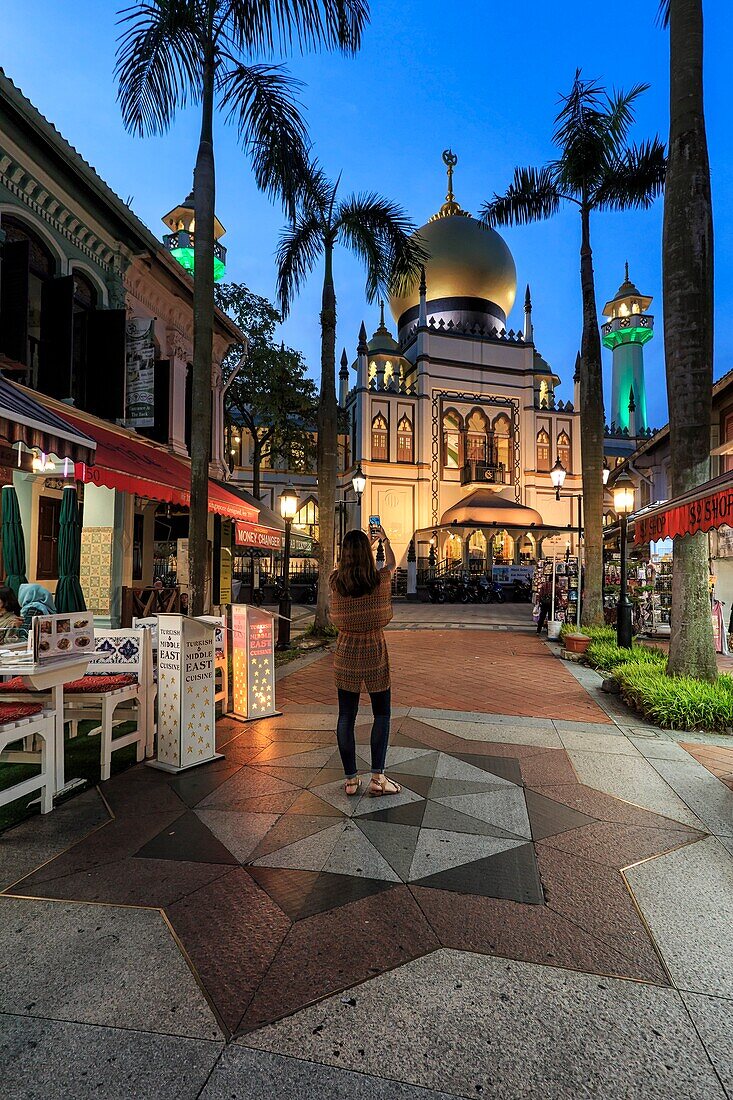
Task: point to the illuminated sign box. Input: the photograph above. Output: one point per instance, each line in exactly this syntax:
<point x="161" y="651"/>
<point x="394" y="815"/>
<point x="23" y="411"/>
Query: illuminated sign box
<point x="253" y="662"/>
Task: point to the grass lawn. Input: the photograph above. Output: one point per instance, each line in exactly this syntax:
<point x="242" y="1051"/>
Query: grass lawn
<point x="81" y="761"/>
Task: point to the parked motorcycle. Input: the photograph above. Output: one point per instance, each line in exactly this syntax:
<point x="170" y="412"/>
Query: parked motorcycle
<point x="522" y="591"/>
<point x="436" y="590"/>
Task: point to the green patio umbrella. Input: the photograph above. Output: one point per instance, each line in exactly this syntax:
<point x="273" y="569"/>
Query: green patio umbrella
<point x="69" y="596"/>
<point x="13" y="541"/>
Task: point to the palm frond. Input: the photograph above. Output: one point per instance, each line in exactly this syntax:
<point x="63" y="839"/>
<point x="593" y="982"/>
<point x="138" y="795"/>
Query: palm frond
<point x="300" y="245"/>
<point x="663" y="13"/>
<point x="635" y="179"/>
<point x="284" y="26"/>
<point x="532" y="196"/>
<point x="158" y="66"/>
<point x="620" y="114"/>
<point x="380" y="233"/>
<point x="580" y="111"/>
<point x="260" y="101"/>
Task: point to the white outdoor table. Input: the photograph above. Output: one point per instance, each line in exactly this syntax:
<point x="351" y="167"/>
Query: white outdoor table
<point x="51" y="676"/>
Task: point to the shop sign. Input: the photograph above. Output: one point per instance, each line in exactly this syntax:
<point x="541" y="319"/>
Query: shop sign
<point x="186" y="689"/>
<point x="253" y="662"/>
<point x="225" y="563"/>
<point x="140" y="363"/>
<point x="264" y="538"/>
<point x="714" y="510"/>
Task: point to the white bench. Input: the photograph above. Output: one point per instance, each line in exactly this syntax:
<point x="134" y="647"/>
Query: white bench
<point x="28" y="723"/>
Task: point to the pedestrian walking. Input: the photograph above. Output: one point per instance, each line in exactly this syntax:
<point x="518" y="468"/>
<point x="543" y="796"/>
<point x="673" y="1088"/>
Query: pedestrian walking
<point x="361" y="606"/>
<point x="545" y="602"/>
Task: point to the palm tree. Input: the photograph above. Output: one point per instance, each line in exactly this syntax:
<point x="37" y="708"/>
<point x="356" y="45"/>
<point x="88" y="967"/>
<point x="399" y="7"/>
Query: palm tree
<point x="596" y="170"/>
<point x="379" y="233"/>
<point x="175" y="52"/>
<point x="687" y="282"/>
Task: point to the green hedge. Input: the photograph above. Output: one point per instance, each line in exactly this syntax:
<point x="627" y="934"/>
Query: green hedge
<point x="677" y="702"/>
<point x="598" y="633"/>
<point x="607" y="655"/>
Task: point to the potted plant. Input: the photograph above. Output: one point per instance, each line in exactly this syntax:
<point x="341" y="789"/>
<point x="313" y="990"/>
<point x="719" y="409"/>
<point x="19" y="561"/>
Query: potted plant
<point x="577" y="642"/>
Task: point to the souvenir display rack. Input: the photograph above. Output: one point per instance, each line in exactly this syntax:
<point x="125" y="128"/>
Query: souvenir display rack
<point x="566" y="586"/>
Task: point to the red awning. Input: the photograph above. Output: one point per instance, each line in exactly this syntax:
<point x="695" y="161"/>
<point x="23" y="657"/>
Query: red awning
<point x="132" y="464"/>
<point x="702" y="509"/>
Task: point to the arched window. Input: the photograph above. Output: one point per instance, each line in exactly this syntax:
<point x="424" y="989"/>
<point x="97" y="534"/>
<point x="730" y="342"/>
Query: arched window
<point x="452" y="425"/>
<point x="380" y="439"/>
<point x="306" y="518"/>
<point x="502" y="436"/>
<point x="543" y="451"/>
<point x="27" y="266"/>
<point x="563" y="450"/>
<point x="405" y="449"/>
<point x="477" y="449"/>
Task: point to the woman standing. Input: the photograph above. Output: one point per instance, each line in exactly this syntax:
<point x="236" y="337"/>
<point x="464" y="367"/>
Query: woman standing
<point x="361" y="606"/>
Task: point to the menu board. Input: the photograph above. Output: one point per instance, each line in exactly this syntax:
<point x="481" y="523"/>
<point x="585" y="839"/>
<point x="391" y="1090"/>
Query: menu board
<point x="186" y="720"/>
<point x="239" y="659"/>
<point x="253" y="662"/>
<point x="66" y="635"/>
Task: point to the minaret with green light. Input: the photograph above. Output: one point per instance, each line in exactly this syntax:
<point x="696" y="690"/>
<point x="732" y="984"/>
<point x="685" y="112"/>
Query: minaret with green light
<point x="182" y="221"/>
<point x="629" y="327"/>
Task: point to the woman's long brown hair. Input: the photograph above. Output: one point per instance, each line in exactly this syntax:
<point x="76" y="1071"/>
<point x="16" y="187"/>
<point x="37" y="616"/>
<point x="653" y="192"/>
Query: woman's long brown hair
<point x="356" y="575"/>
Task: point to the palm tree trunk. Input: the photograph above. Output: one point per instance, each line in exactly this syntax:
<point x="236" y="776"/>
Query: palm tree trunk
<point x="591" y="429"/>
<point x="203" y="311"/>
<point x="687" y="281"/>
<point x="327" y="448"/>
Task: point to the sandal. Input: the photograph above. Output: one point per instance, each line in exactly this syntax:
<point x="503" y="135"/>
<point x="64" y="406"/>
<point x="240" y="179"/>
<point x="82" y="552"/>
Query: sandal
<point x="383" y="785"/>
<point x="355" y="783"/>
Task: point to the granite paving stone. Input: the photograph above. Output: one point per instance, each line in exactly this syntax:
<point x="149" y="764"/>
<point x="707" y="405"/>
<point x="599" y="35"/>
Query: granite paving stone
<point x="585" y="741"/>
<point x="396" y="843"/>
<point x="497" y="732"/>
<point x="589" y="1036"/>
<point x="239" y="832"/>
<point x="506" y="809"/>
<point x="301" y="894"/>
<point x="289" y="829"/>
<point x="509" y="873"/>
<point x="254" y="1075"/>
<point x="55" y="1059"/>
<point x="659" y="748"/>
<point x="244" y="927"/>
<point x="606" y="807"/>
<point x="713" y="1018"/>
<point x="247" y="783"/>
<point x="548" y="818"/>
<point x="709" y="799"/>
<point x="619" y="845"/>
<point x="194" y="785"/>
<point x="39" y="838"/>
<point x="437" y="850"/>
<point x="335" y="950"/>
<point x="687" y="901"/>
<point x="634" y="780"/>
<point x="354" y="854"/>
<point x="145" y="982"/>
<point x="309" y="854"/>
<point x="187" y="838"/>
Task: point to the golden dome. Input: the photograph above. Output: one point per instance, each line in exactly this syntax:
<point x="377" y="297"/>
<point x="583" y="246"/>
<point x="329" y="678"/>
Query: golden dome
<point x="467" y="260"/>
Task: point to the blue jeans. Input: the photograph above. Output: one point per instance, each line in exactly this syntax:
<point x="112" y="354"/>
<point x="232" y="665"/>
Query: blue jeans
<point x="348" y="710"/>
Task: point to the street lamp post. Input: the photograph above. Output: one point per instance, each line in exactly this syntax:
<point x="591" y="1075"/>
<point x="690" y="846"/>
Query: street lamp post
<point x="288" y="510"/>
<point x="623" y="503"/>
<point x="358" y="484"/>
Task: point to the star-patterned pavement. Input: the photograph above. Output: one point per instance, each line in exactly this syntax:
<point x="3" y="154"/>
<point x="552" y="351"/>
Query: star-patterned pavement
<point x="283" y="891"/>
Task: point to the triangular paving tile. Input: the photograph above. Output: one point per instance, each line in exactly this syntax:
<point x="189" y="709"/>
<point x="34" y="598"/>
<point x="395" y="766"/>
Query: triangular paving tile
<point x="247" y="783"/>
<point x="192" y="786"/>
<point x="308" y="803"/>
<point x="335" y="794"/>
<point x="397" y="755"/>
<point x="548" y="818"/>
<point x="421" y="765"/>
<point x="279" y="749"/>
<point x="444" y="788"/>
<point x="301" y="894"/>
<point x="408" y="814"/>
<point x="327" y="775"/>
<point x="505" y="809"/>
<point x="368" y="804"/>
<point x="451" y="768"/>
<point x="503" y="766"/>
<point x="288" y="830"/>
<point x="438" y="850"/>
<point x="334" y="761"/>
<point x="438" y="816"/>
<point x="420" y="784"/>
<point x="307" y="758"/>
<point x="269" y="803"/>
<point x="511" y="874"/>
<point x="396" y="843"/>
<point x="301" y="776"/>
<point x="353" y="854"/>
<point x="187" y="838"/>
<point x="240" y="832"/>
<point x="309" y="854"/>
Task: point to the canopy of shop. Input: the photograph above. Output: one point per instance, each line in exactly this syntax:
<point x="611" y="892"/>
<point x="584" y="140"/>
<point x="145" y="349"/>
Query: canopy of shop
<point x="23" y="419"/>
<point x="485" y="508"/>
<point x="708" y="506"/>
<point x="268" y="532"/>
<point x="126" y="461"/>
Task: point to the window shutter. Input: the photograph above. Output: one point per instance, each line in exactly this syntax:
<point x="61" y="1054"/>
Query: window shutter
<point x="106" y="364"/>
<point x="14" y="300"/>
<point x="160" y="431"/>
<point x="57" y="337"/>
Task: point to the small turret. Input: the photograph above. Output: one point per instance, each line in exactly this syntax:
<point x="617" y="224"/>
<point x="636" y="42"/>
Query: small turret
<point x="629" y="327"/>
<point x="362" y="353"/>
<point x="422" y="313"/>
<point x="343" y="379"/>
<point x="528" y="328"/>
<point x="576" y="383"/>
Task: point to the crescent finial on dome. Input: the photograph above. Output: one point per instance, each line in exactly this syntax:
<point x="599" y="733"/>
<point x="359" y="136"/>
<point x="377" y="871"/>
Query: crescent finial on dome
<point x="450" y="207"/>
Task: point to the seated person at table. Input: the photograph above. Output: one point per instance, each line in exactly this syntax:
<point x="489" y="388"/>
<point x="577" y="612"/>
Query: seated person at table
<point x="11" y="623"/>
<point x="35" y="600"/>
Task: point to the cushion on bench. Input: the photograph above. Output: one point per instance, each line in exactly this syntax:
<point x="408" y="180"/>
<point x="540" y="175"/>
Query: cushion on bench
<point x="100" y="684"/>
<point x="16" y="712"/>
<point x="14" y="685"/>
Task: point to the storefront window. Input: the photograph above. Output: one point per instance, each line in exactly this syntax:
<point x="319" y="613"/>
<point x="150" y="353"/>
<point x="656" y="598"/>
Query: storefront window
<point x="452" y="425"/>
<point x="380" y="439"/>
<point x="543" y="451"/>
<point x="404" y="440"/>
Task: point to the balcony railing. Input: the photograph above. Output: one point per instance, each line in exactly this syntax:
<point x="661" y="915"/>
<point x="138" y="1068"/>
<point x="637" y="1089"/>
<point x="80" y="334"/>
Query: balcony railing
<point x="495" y="473"/>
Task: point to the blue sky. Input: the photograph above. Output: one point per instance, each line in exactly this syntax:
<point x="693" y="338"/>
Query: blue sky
<point x="480" y="77"/>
